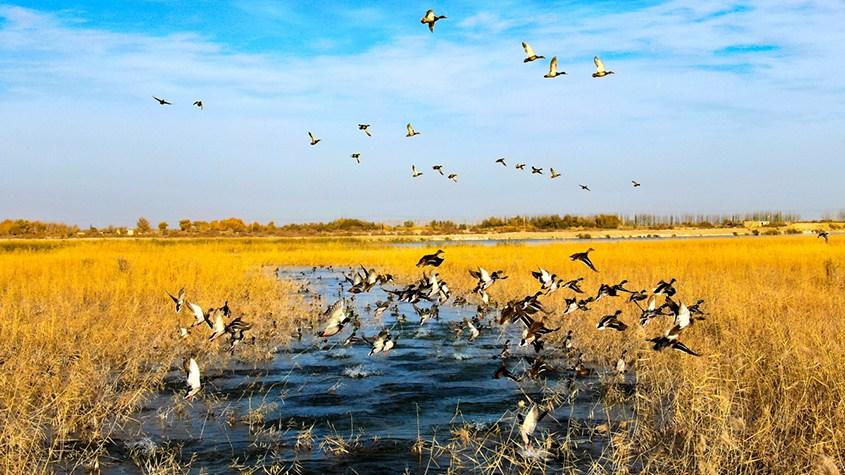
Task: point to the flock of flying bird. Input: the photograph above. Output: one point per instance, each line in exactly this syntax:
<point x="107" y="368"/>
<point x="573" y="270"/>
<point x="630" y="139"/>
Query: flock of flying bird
<point x="430" y="19"/>
<point x="529" y="312"/>
<point x="427" y="294"/>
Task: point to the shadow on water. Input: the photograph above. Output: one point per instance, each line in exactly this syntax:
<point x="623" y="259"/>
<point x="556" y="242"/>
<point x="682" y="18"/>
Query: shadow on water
<point x="328" y="408"/>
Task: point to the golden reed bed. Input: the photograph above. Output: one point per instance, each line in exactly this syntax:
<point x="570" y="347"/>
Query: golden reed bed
<point x="86" y="330"/>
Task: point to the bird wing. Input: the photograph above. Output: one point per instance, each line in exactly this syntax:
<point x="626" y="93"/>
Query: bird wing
<point x="410" y="129"/>
<point x="483" y="274"/>
<point x="219" y="325"/>
<point x="311" y="136"/>
<point x="599" y="64"/>
<point x="429" y="16"/>
<point x="682" y="319"/>
<point x="528" y="424"/>
<point x="553" y="66"/>
<point x="529" y="51"/>
<point x="193" y="375"/>
<point x="336" y="311"/>
<point x="197" y="311"/>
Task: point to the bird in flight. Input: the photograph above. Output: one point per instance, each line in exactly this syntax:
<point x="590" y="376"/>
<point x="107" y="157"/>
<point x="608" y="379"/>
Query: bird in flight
<point x="411" y="131"/>
<point x="314" y="140"/>
<point x="438" y="169"/>
<point x="554" y="174"/>
<point x="819" y="234"/>
<point x="414" y="172"/>
<point x="585" y="258"/>
<point x="529" y="53"/>
<point x="585" y="187"/>
<point x="635" y="183"/>
<point x="365" y="128"/>
<point x="520" y="166"/>
<point x="163" y="102"/>
<point x="178" y="299"/>
<point x="356" y="157"/>
<point x="198" y="104"/>
<point x="430" y="19"/>
<point x="453" y="177"/>
<point x="502" y="161"/>
<point x="600" y="71"/>
<point x="194" y="384"/>
<point x="536" y="171"/>
<point x="553" y="72"/>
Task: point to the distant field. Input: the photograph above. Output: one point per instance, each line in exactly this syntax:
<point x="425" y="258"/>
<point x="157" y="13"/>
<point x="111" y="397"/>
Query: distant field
<point x="86" y="330"/>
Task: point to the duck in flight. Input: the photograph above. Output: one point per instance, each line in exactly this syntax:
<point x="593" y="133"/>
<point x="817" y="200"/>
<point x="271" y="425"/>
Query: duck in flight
<point x="612" y="321"/>
<point x="314" y="140"/>
<point x="200" y="317"/>
<point x="544" y="277"/>
<point x="430" y="19"/>
<point x="194" y="384"/>
<point x="584" y="187"/>
<point x="502" y="161"/>
<point x="410" y="130"/>
<point x="585" y="258"/>
<point x="357" y="157"/>
<point x="453" y="177"/>
<point x="438" y="169"/>
<point x="529" y="53"/>
<point x="823" y="234"/>
<point x="365" y="128"/>
<point x="553" y="173"/>
<point x="198" y="104"/>
<point x="665" y="288"/>
<point x="536" y="171"/>
<point x="635" y="183"/>
<point x="337" y="318"/>
<point x="600" y="71"/>
<point x="179" y="299"/>
<point x="433" y="260"/>
<point x="414" y="172"/>
<point x="553" y="72"/>
<point x="163" y="102"/>
<point x="520" y="166"/>
<point x="529" y="423"/>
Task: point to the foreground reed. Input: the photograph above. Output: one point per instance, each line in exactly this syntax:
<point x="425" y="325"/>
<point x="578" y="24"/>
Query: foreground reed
<point x="87" y="331"/>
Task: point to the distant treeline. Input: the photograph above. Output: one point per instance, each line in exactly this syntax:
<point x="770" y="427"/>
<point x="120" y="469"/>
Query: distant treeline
<point x="348" y="226"/>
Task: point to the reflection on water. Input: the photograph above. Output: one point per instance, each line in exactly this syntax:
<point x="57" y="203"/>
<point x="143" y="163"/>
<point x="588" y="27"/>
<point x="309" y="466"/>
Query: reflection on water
<point x="375" y="407"/>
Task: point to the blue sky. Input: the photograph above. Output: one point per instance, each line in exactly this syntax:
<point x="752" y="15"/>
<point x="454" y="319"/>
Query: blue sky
<point x="715" y="107"/>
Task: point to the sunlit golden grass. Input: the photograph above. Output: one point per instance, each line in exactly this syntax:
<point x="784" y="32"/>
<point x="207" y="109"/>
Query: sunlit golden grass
<point x="84" y="336"/>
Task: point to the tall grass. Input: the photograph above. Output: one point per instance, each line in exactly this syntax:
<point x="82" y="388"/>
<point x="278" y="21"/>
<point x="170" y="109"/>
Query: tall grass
<point x="87" y="329"/>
